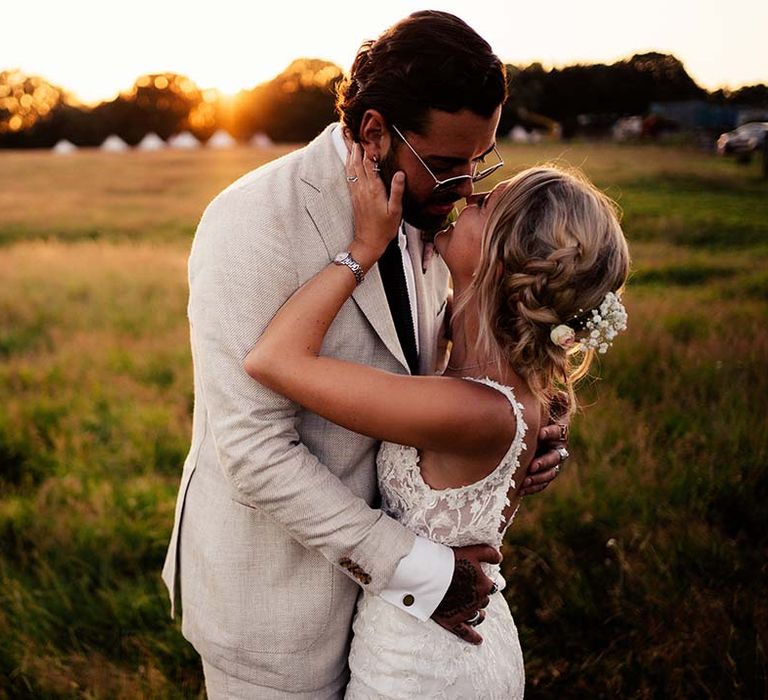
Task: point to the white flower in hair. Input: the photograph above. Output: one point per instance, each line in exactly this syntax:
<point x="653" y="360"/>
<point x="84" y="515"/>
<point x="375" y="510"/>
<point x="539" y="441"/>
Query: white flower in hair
<point x="602" y="326"/>
<point x="605" y="324"/>
<point x="563" y="336"/>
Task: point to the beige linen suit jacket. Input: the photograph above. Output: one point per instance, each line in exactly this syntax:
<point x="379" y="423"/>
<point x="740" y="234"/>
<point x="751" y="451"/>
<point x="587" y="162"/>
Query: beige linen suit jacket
<point x="276" y="528"/>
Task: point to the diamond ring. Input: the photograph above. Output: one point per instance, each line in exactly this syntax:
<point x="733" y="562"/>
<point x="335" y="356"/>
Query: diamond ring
<point x="352" y="178"/>
<point x="564" y="454"/>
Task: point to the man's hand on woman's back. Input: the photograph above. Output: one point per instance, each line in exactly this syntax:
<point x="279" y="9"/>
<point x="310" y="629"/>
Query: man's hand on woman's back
<point x="468" y="593"/>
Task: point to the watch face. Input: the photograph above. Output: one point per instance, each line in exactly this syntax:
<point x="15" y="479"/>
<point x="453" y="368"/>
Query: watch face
<point x="341" y="256"/>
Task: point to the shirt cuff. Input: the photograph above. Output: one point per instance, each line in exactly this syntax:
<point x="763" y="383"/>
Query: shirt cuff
<point x="421" y="579"/>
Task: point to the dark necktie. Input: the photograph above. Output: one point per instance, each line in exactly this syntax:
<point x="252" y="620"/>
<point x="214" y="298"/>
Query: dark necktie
<point x="393" y="277"/>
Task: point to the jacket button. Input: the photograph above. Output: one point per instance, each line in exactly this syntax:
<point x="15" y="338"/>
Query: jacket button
<point x="408" y="600"/>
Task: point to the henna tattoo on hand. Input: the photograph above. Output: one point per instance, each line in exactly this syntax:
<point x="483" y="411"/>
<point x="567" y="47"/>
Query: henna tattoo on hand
<point x="462" y="592"/>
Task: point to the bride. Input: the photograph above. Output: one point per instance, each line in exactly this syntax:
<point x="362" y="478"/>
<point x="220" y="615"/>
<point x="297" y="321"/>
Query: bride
<point x="536" y="266"/>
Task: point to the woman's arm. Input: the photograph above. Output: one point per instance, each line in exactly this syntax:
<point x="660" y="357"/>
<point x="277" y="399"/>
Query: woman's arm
<point x="435" y="413"/>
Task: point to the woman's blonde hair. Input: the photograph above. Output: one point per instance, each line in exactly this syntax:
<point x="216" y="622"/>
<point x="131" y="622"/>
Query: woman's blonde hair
<point x="552" y="249"/>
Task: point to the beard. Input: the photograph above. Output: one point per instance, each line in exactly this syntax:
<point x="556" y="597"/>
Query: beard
<point x="414" y="210"/>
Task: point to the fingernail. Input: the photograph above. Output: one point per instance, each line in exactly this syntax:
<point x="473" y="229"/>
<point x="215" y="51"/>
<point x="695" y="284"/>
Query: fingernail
<point x="399" y="176"/>
<point x="527" y="482"/>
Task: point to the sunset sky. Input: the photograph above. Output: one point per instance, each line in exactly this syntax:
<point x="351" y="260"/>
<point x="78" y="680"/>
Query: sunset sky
<point x="97" y="48"/>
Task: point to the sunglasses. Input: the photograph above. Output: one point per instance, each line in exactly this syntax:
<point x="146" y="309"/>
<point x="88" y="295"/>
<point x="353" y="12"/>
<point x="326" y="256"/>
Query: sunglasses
<point x="452" y="182"/>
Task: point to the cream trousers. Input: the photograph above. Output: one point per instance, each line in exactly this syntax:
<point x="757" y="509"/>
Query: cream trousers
<point x="221" y="686"/>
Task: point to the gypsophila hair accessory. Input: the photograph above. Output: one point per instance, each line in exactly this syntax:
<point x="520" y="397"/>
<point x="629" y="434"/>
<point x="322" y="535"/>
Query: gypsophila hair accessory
<point x="602" y="326"/>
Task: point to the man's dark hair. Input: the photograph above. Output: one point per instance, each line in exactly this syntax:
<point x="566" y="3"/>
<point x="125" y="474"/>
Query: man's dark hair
<point x="429" y="60"/>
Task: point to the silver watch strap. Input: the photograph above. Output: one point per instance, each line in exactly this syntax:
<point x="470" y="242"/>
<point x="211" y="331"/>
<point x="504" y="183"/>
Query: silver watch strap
<point x="347" y="260"/>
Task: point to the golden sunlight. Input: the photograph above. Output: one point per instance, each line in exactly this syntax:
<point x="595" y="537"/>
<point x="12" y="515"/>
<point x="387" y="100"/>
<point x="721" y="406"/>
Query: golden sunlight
<point x="24" y="99"/>
<point x="234" y="46"/>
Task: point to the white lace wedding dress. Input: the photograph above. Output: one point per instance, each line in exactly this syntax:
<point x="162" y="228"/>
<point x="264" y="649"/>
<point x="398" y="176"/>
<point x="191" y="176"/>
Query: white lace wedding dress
<point x="393" y="655"/>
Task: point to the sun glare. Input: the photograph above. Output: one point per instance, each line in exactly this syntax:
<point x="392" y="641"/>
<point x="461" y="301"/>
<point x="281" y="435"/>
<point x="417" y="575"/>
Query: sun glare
<point x="235" y="46"/>
<point x="27" y="98"/>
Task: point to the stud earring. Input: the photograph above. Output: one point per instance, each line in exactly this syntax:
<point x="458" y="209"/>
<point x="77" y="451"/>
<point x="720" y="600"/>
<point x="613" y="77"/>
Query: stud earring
<point x="376" y="167"/>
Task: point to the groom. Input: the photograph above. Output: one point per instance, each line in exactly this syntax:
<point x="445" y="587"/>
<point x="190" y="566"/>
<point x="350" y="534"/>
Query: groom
<point x="276" y="529"/>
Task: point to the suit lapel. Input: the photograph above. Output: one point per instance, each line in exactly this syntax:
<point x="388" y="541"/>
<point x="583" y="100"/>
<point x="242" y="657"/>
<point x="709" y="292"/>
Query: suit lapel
<point x="328" y="204"/>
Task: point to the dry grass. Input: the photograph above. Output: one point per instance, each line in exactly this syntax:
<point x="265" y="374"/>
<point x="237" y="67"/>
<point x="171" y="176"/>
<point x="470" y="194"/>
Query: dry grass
<point x="135" y="195"/>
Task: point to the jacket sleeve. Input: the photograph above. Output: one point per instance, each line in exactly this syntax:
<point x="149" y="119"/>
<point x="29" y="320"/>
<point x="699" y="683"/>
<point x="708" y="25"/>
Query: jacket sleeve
<point x="241" y="270"/>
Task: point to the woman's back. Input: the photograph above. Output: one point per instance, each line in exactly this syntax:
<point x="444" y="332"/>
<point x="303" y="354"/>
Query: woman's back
<point x="458" y="515"/>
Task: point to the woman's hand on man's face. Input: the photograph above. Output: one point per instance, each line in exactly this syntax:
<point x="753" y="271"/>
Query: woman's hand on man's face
<point x="377" y="216"/>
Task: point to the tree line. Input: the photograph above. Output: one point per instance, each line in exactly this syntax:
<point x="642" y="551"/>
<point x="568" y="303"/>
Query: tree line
<point x="299" y="102"/>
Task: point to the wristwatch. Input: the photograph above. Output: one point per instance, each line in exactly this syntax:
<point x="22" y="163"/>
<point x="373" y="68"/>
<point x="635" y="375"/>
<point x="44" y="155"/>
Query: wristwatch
<point x="344" y="258"/>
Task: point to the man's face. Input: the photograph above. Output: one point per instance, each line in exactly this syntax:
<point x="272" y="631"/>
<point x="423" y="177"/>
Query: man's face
<point x="450" y="146"/>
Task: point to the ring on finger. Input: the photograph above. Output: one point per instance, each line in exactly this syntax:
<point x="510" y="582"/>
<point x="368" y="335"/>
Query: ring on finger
<point x="352" y="178"/>
<point x="564" y="454"/>
<point x="563" y="431"/>
<point x="557" y="469"/>
<point x="475" y="620"/>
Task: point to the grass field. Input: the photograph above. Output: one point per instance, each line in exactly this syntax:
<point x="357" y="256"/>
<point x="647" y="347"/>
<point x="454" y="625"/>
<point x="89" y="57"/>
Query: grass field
<point x="641" y="574"/>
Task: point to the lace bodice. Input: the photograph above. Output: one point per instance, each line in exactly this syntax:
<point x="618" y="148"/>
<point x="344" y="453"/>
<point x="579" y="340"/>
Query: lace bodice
<point x="455" y="516"/>
<point x="394" y="655"/>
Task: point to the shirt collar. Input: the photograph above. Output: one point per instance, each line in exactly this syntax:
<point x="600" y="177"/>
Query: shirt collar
<point x="338" y="142"/>
<point x="341" y="148"/>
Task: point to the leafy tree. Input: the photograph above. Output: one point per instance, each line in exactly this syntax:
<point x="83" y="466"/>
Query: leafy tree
<point x="26" y="103"/>
<point x="83" y="126"/>
<point x="299" y="102"/>
<point x="752" y="95"/>
<point x="294" y="106"/>
<point x="159" y="103"/>
<point x="624" y="88"/>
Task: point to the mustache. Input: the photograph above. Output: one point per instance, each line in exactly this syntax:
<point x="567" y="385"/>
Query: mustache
<point x="450" y="198"/>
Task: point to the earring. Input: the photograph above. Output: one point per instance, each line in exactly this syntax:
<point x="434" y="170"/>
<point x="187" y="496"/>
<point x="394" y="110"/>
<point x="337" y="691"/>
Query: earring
<point x="376" y="167"/>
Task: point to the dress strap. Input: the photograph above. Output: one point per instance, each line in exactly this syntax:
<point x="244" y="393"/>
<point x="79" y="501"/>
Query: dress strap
<point x="516" y="448"/>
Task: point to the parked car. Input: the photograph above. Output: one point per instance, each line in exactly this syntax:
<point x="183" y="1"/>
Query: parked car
<point x="744" y="139"/>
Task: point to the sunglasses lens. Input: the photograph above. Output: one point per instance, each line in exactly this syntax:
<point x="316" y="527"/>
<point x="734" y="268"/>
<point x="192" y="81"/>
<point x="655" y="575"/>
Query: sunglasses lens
<point x="451" y="183"/>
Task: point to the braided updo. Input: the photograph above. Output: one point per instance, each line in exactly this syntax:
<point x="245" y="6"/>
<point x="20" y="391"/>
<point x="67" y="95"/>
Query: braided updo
<point x="552" y="249"/>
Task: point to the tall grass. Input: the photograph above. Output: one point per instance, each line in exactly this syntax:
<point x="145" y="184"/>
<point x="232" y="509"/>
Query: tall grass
<point x="641" y="573"/>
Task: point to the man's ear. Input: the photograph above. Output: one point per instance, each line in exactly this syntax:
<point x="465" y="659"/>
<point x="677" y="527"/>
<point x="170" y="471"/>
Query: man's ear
<point x="375" y="137"/>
